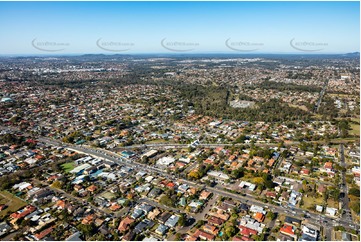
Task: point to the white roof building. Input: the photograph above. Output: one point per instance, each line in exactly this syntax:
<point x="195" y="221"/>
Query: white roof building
<point x="80" y="168"/>
<point x="172" y="221"/>
<point x="218" y="175"/>
<point x="30" y="161"/>
<point x="250" y="186"/>
<point x="331" y="211"/>
<point x="22" y="186"/>
<point x="150" y="153"/>
<point x="149" y="178"/>
<point x="319" y="208"/>
<point x="257" y="209"/>
<point x="165" y="161"/>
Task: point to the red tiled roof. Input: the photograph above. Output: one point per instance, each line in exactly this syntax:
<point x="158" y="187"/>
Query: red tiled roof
<point x="125" y="223"/>
<point x="171" y="185"/>
<point x="88" y="219"/>
<point x="287" y="229"/>
<point x="218" y="149"/>
<point x="215" y="220"/>
<point x="328" y="165"/>
<point x="92" y="188"/>
<point x="235" y="238"/>
<point x="203" y="235"/>
<point x="270" y="194"/>
<point x="26" y="211"/>
<point x="204" y="194"/>
<point x="244" y="238"/>
<point x="44" y="233"/>
<point x="246" y="231"/>
<point x="305" y="171"/>
<point x="232" y="157"/>
<point x="210" y="229"/>
<point x="180" y="164"/>
<point x="60" y="203"/>
<point x="271" y="162"/>
<point x="31" y="141"/>
<point x="114" y="207"/>
<point x="259" y="217"/>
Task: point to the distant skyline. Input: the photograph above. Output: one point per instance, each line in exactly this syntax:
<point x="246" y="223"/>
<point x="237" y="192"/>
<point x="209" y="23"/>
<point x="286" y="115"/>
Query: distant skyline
<point x="60" y="28"/>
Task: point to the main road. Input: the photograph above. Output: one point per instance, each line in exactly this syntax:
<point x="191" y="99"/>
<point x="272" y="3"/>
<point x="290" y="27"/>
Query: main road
<point x="116" y="158"/>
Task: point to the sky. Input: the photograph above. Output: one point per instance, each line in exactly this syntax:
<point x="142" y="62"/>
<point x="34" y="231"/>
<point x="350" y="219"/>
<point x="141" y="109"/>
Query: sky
<point x="28" y="28"/>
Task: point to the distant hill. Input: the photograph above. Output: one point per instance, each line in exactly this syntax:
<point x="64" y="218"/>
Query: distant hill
<point x="353" y="54"/>
<point x="104" y="55"/>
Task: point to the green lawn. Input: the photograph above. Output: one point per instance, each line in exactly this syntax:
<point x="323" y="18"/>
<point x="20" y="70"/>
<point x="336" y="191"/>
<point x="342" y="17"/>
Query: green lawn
<point x="12" y="201"/>
<point x="67" y="167"/>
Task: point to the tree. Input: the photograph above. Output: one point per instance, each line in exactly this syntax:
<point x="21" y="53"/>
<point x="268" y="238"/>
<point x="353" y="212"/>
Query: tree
<point x="166" y="200"/>
<point x="87" y="229"/>
<point x="178" y="237"/>
<point x="271" y="215"/>
<point x="199" y="223"/>
<point x="355" y="206"/>
<point x="145" y="159"/>
<point x="240" y="139"/>
<point x="355" y="192"/>
<point x="259" y="237"/>
<point x="238" y="173"/>
<point x="57" y="184"/>
<point x="230" y="231"/>
<point x="194" y="174"/>
<point x="182" y="220"/>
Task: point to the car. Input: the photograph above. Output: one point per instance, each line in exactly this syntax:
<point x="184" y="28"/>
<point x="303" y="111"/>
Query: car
<point x="190" y="221"/>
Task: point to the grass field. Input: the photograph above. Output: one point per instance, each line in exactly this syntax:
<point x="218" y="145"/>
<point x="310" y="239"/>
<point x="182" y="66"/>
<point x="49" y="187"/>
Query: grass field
<point x="107" y="195"/>
<point x="67" y="167"/>
<point x="344" y="140"/>
<point x="157" y="141"/>
<point x="309" y="201"/>
<point x="355" y="129"/>
<point x="331" y="203"/>
<point x="302" y="107"/>
<point x="340" y="95"/>
<point x="12" y="201"/>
